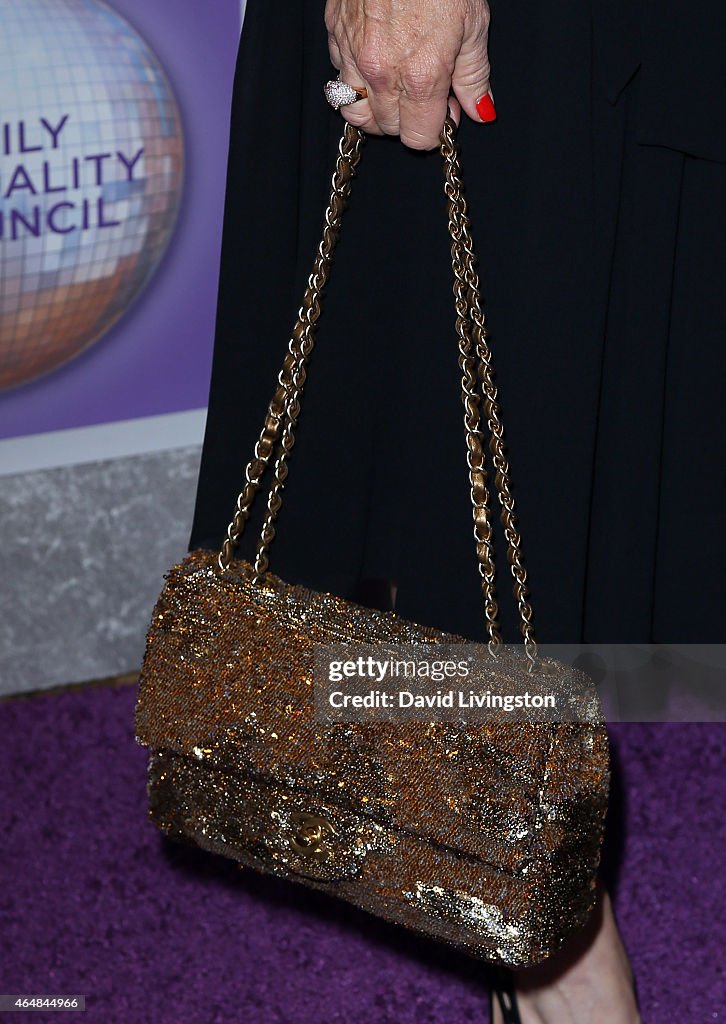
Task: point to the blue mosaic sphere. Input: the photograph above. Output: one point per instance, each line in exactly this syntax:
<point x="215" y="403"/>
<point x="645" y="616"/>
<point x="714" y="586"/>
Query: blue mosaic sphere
<point x="91" y="174"/>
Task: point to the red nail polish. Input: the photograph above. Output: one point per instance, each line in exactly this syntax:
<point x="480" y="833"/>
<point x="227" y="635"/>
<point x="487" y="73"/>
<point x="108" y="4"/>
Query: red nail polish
<point x="485" y="108"/>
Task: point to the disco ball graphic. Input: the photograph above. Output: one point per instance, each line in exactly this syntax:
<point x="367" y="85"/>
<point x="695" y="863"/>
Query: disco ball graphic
<point x="91" y="173"/>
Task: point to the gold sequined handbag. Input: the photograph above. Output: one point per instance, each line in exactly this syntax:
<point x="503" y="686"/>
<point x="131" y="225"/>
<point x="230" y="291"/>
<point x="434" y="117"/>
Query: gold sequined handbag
<point x="485" y="835"/>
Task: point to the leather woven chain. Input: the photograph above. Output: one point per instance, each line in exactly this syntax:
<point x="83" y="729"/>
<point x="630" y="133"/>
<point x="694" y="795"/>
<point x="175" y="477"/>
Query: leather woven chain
<point x="475" y="362"/>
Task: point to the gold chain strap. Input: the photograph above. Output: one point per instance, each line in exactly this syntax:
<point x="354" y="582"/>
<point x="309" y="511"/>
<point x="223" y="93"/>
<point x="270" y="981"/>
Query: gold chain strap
<point x="292" y="376"/>
<point x="464" y="266"/>
<point x="476" y="367"/>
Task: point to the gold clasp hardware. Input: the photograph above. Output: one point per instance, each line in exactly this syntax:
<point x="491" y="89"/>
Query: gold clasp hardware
<point x="311" y="835"/>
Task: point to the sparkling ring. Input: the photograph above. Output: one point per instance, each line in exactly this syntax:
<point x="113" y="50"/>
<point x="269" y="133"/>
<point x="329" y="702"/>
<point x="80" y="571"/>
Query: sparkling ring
<point x="339" y="94"/>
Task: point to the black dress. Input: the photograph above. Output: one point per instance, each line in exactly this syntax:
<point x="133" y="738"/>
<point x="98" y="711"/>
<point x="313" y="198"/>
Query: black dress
<point x="598" y="202"/>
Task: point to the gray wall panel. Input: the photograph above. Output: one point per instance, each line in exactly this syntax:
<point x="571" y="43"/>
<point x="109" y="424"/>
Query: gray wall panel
<point x="84" y="549"/>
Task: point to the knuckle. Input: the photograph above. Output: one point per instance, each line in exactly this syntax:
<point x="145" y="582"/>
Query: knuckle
<point x="331" y="18"/>
<point x="481" y="13"/>
<point x="373" y="66"/>
<point x="474" y="75"/>
<point x="419" y="80"/>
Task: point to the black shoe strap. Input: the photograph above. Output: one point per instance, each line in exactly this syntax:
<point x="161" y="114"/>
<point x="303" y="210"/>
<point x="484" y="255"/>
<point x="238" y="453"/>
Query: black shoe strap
<point x="506" y="996"/>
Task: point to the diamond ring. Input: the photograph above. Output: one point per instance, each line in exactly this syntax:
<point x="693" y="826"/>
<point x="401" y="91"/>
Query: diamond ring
<point x="339" y="94"/>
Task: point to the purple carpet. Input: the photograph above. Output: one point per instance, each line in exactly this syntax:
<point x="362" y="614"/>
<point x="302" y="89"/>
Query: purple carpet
<point x="95" y="901"/>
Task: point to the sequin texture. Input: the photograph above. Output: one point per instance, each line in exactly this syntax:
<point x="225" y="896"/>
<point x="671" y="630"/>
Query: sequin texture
<point x="486" y="837"/>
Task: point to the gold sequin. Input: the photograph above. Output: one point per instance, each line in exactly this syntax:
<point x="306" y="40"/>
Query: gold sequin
<point x="485" y="836"/>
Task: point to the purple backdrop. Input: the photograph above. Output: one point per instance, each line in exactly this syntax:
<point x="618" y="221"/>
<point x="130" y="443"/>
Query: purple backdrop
<point x="157" y="359"/>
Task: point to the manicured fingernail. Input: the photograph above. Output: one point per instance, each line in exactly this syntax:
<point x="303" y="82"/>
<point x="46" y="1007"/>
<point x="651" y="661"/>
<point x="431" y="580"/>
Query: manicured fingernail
<point x="485" y="108"/>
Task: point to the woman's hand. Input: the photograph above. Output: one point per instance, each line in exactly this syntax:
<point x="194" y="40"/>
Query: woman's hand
<point x="409" y="54"/>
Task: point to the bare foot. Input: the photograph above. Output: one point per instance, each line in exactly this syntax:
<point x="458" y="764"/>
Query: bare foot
<point x="589" y="982"/>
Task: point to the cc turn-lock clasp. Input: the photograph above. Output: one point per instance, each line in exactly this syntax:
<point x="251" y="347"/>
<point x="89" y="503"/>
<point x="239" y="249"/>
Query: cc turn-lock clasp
<point x="311" y="836"/>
